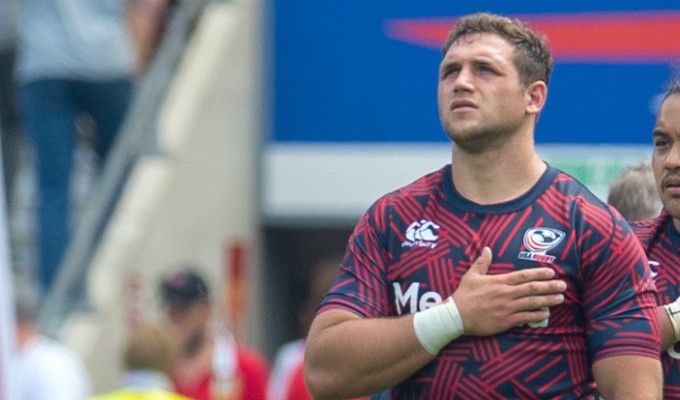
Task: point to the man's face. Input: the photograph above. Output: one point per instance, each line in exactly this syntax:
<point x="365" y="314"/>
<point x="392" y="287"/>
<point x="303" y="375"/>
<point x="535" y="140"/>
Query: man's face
<point x="480" y="96"/>
<point x="189" y="322"/>
<point x="666" y="156"/>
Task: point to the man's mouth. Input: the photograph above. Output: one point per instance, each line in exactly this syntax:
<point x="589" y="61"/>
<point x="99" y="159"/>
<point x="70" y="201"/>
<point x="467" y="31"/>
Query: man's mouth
<point x="671" y="183"/>
<point x="457" y="105"/>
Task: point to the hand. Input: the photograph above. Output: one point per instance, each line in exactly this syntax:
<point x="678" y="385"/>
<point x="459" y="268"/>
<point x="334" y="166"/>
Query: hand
<point x="490" y="304"/>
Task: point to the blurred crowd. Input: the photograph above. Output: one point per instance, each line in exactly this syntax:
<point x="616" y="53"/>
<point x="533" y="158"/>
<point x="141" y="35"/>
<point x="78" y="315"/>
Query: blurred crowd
<point x="69" y="69"/>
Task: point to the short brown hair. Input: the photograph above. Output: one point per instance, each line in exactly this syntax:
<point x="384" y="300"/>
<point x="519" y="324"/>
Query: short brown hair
<point x="150" y="348"/>
<point x="532" y="55"/>
<point x="673" y="89"/>
<point x="634" y="193"/>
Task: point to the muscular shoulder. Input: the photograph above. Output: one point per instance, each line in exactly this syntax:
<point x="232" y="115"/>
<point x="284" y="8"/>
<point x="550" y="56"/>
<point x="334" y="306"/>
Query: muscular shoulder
<point x="582" y="203"/>
<point x="415" y="193"/>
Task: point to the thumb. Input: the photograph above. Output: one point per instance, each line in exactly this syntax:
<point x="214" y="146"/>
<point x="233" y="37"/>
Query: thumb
<point x="481" y="264"/>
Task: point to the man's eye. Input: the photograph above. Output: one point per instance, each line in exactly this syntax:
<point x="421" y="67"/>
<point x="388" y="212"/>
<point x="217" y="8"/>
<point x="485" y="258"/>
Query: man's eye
<point x="450" y="71"/>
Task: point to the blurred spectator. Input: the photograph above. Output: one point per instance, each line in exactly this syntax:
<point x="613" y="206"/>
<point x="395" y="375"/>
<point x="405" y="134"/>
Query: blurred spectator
<point x="9" y="118"/>
<point x="211" y="364"/>
<point x="634" y="193"/>
<point x="43" y="368"/>
<point x="148" y="360"/>
<point x="75" y="58"/>
<point x="287" y="379"/>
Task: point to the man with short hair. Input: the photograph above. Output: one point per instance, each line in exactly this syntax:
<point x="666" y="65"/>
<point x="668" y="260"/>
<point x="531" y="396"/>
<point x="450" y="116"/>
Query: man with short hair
<point x="497" y="276"/>
<point x="211" y="364"/>
<point x="661" y="236"/>
<point x="148" y="361"/>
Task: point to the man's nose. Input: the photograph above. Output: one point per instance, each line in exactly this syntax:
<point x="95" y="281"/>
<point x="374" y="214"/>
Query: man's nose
<point x="672" y="160"/>
<point x="464" y="80"/>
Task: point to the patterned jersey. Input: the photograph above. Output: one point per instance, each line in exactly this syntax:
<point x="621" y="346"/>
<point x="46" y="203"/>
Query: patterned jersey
<point x="411" y="248"/>
<point x="662" y="243"/>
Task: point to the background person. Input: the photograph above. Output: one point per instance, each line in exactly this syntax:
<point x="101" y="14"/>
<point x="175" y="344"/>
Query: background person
<point x="75" y="59"/>
<point x="634" y="193"/>
<point x="43" y="368"/>
<point x="148" y="360"/>
<point x="211" y="365"/>
<point x="452" y="286"/>
<point x="661" y="236"/>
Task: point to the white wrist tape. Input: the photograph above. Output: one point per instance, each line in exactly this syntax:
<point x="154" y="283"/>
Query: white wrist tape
<point x="438" y="325"/>
<point x="673" y="311"/>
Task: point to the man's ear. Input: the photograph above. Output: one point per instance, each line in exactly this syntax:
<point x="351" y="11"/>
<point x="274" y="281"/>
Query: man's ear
<point x="537" y="94"/>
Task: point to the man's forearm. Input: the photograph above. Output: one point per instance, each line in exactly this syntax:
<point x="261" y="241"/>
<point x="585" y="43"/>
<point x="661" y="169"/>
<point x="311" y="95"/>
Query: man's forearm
<point x="359" y="357"/>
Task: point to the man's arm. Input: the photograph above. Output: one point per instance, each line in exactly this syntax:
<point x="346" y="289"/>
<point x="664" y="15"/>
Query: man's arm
<point x="145" y="19"/>
<point x="629" y="378"/>
<point x="349" y="356"/>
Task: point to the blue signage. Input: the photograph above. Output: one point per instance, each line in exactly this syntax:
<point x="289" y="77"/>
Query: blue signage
<point x="366" y="71"/>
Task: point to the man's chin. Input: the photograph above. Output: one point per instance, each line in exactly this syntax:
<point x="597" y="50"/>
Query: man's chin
<point x="476" y="143"/>
<point x="192" y="344"/>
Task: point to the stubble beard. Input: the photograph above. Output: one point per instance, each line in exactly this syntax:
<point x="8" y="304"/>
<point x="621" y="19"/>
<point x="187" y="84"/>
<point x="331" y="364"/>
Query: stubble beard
<point x="194" y="343"/>
<point x="670" y="202"/>
<point x="672" y="206"/>
<point x="479" y="139"/>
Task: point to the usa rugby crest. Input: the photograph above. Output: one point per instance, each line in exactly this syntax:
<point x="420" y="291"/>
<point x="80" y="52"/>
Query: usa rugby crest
<point x="538" y="241"/>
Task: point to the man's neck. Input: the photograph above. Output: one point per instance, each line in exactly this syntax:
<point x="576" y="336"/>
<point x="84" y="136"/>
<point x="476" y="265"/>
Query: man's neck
<point x="498" y="175"/>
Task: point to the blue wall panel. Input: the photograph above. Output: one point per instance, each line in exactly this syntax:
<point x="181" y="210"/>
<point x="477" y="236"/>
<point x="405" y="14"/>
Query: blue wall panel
<point x="342" y="72"/>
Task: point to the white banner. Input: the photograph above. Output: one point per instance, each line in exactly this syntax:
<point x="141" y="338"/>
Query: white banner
<point x="322" y="180"/>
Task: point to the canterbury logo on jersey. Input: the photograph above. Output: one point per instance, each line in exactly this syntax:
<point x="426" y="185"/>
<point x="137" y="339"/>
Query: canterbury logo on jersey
<point x="423" y="234"/>
<point x="538" y="241"/>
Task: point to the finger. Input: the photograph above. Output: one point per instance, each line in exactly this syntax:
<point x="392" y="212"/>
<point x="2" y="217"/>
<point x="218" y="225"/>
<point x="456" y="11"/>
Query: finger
<point x="537" y="316"/>
<point x="538" y="288"/>
<point x="481" y="264"/>
<point x="528" y="275"/>
<point x="533" y="303"/>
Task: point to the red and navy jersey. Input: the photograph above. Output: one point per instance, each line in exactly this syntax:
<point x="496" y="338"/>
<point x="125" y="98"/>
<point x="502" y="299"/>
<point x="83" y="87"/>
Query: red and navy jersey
<point x="411" y="248"/>
<point x="662" y="243"/>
